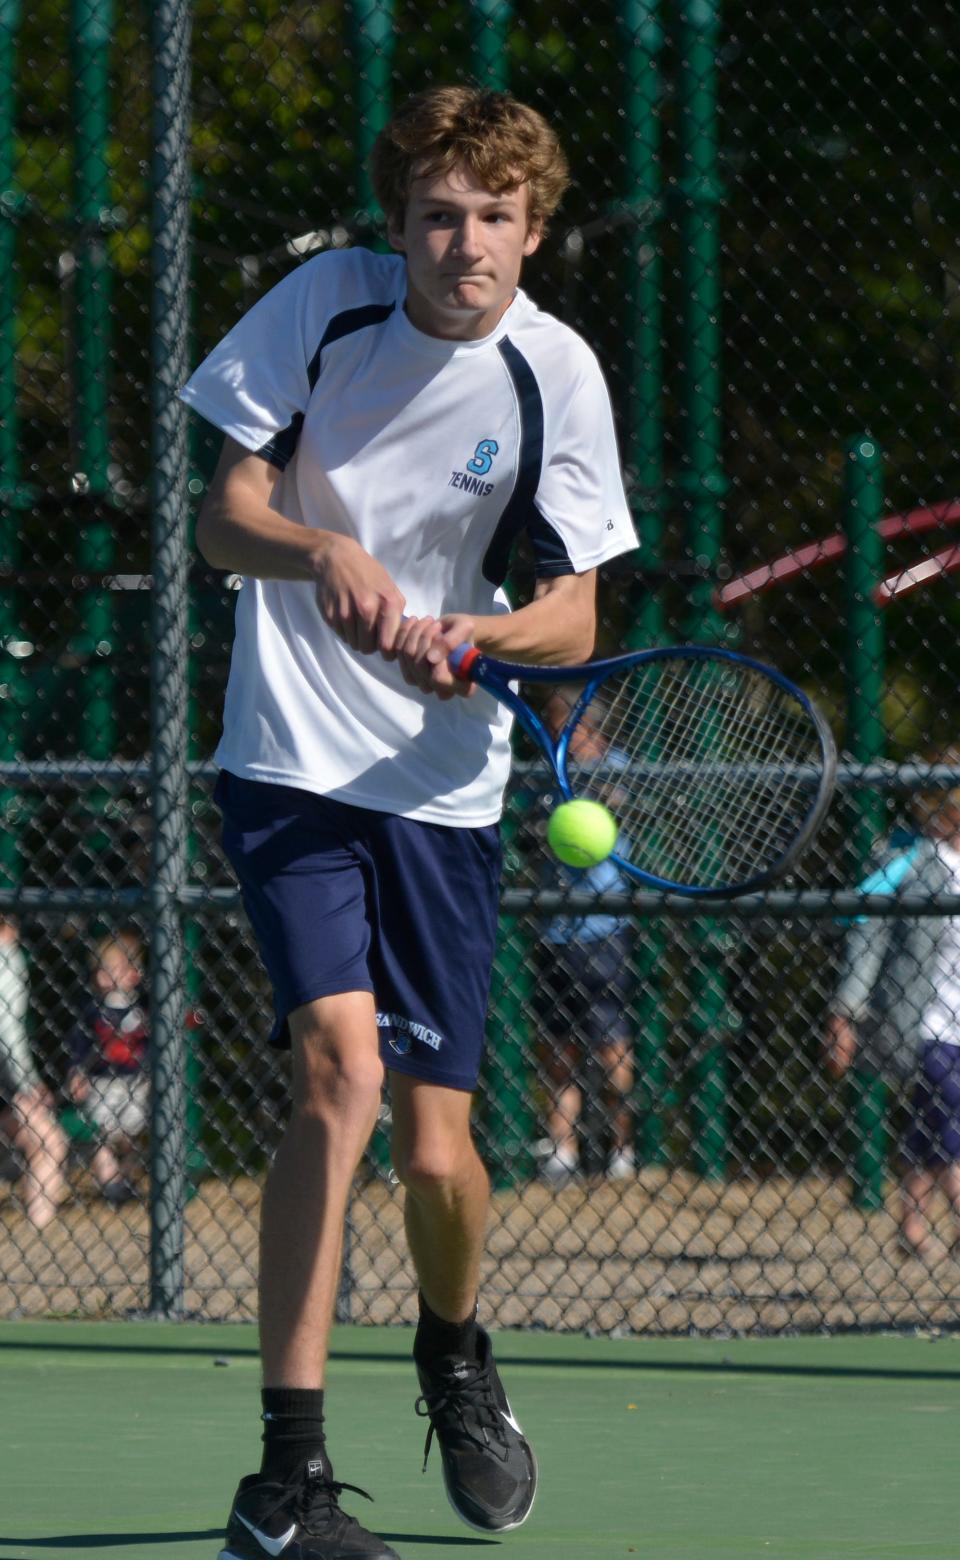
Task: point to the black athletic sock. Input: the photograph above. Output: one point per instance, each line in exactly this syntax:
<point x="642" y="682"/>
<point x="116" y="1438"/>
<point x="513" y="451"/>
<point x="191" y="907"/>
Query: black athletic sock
<point x="436" y="1338"/>
<point x="292" y="1429"/>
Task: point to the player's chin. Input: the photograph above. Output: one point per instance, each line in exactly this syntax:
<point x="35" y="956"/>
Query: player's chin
<point x="469" y="295"/>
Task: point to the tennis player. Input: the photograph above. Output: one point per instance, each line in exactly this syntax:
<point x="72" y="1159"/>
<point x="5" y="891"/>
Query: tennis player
<point x="394" y="423"/>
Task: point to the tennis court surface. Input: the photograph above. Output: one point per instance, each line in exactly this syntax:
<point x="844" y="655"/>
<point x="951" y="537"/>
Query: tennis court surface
<point x="125" y="1440"/>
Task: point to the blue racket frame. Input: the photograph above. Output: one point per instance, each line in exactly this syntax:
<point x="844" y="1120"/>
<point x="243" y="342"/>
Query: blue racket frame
<point x="496" y="676"/>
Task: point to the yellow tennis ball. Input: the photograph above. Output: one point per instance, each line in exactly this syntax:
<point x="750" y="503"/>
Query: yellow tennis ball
<point x="581" y="833"/>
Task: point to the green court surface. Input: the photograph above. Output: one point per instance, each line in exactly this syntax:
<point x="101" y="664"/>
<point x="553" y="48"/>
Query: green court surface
<point x="125" y="1440"/>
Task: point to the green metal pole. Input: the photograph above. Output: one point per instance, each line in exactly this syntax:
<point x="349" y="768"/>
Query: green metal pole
<point x="489" y="31"/>
<point x="14" y="497"/>
<point x="702" y="481"/>
<point x="170" y="232"/>
<point x="91" y="24"/>
<point x="862" y="510"/>
<point x="642" y="39"/>
<point x="372" y="41"/>
<point x="509" y="1119"/>
<point x="703" y="485"/>
<point x="11" y="207"/>
<point x="510" y="1124"/>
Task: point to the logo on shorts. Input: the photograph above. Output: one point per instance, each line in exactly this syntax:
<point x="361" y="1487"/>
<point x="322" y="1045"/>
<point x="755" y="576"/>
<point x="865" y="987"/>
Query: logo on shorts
<point x="405" y="1031"/>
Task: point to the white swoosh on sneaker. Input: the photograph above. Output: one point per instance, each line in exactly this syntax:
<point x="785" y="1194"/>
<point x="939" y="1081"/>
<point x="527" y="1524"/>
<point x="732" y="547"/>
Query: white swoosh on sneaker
<point x="511" y="1421"/>
<point x="270" y="1546"/>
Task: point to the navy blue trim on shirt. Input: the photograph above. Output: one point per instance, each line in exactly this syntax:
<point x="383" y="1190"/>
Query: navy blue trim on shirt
<point x="519" y="509"/>
<point x="550" y="556"/>
<point x="344" y="325"/>
<point x="279" y="449"/>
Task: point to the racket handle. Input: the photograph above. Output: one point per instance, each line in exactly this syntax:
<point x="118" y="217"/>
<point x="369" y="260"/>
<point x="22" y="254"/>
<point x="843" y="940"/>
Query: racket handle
<point x="462" y="660"/>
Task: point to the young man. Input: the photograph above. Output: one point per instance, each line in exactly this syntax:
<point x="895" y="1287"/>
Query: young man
<point x="393" y="424"/>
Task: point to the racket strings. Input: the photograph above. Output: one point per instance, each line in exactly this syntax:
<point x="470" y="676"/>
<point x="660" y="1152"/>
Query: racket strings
<point x="707" y="768"/>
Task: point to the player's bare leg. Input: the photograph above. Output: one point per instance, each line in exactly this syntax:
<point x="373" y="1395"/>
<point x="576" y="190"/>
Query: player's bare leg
<point x="293" y="1503"/>
<point x="489" y="1469"/>
<point x="337" y="1078"/>
<point x="448" y="1192"/>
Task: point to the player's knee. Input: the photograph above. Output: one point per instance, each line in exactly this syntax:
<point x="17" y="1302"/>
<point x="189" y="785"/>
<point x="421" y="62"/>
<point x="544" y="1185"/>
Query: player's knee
<point x="330" y="1079"/>
<point x="437" y="1172"/>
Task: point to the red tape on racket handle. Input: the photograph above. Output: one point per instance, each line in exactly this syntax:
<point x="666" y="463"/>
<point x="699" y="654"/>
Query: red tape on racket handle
<point x="462" y="659"/>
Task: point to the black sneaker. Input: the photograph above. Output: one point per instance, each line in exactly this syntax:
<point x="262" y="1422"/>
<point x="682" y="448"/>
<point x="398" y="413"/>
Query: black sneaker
<point x="489" y="1468"/>
<point x="298" y="1520"/>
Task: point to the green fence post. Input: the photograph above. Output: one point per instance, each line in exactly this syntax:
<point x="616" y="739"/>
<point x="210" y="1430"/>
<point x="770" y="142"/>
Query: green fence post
<point x="642" y="37"/>
<point x="170" y="235"/>
<point x="510" y="1125"/>
<point x="91" y="24"/>
<point x="14" y="495"/>
<point x="11" y="209"/>
<point x="509" y="1119"/>
<point x="703" y="485"/>
<point x="489" y="28"/>
<point x="372" y="40"/>
<point x="862" y="510"/>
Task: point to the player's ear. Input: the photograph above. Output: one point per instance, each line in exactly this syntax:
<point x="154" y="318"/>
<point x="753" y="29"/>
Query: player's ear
<point x="532" y="240"/>
<point x="395" y="235"/>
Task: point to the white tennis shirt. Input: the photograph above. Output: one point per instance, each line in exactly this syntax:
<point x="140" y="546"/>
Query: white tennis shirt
<point x="435" y="456"/>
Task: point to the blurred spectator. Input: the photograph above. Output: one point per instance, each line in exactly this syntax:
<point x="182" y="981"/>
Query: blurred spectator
<point x="26" y="1117"/>
<point x="582" y="994"/>
<point x="897" y="1005"/>
<point x="108" y="1051"/>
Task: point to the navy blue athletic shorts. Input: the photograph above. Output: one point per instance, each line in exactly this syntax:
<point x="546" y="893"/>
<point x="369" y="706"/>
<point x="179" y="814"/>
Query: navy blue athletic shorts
<point x="345" y="898"/>
<point x="934" y="1139"/>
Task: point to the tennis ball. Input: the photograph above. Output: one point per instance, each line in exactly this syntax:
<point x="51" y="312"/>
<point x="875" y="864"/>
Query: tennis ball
<point x="581" y="833"/>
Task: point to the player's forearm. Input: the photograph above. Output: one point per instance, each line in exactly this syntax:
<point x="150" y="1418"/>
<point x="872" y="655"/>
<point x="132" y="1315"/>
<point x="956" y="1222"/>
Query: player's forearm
<point x="251" y="539"/>
<point x="556" y="629"/>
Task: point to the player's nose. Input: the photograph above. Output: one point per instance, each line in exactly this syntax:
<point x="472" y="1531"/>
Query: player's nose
<point x="469" y="236"/>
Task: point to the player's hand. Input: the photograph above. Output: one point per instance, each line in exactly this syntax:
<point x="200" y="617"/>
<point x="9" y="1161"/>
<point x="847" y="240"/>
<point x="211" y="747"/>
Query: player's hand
<point x="423" y="646"/>
<point x="356" y="596"/>
<point x="839" y="1045"/>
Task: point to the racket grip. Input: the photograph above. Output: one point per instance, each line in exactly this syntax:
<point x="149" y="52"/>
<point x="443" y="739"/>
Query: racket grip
<point x="462" y="660"/>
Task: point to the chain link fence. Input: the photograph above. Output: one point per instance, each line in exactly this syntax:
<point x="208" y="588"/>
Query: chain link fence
<point x="761" y="245"/>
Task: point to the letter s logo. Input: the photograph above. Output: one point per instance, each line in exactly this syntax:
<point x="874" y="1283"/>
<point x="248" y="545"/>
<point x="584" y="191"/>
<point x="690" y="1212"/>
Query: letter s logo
<point x="483" y="457"/>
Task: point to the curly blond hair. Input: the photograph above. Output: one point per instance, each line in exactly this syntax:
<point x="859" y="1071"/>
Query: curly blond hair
<point x="503" y="143"/>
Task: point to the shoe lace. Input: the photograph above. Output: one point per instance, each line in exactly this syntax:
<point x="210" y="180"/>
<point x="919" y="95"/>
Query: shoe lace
<point x="318" y="1500"/>
<point x="468" y="1404"/>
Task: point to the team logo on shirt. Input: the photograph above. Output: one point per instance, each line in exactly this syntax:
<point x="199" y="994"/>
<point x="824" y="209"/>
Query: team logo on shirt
<point x="477" y="467"/>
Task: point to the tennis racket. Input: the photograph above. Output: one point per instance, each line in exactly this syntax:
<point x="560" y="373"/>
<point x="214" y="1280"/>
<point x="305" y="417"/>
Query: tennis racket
<point x="718" y="770"/>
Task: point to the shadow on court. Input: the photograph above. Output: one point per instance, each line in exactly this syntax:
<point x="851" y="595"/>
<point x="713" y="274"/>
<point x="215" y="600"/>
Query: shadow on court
<point x="211" y="1535"/>
<point x="111" y="1540"/>
<point x="663" y="1367"/>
